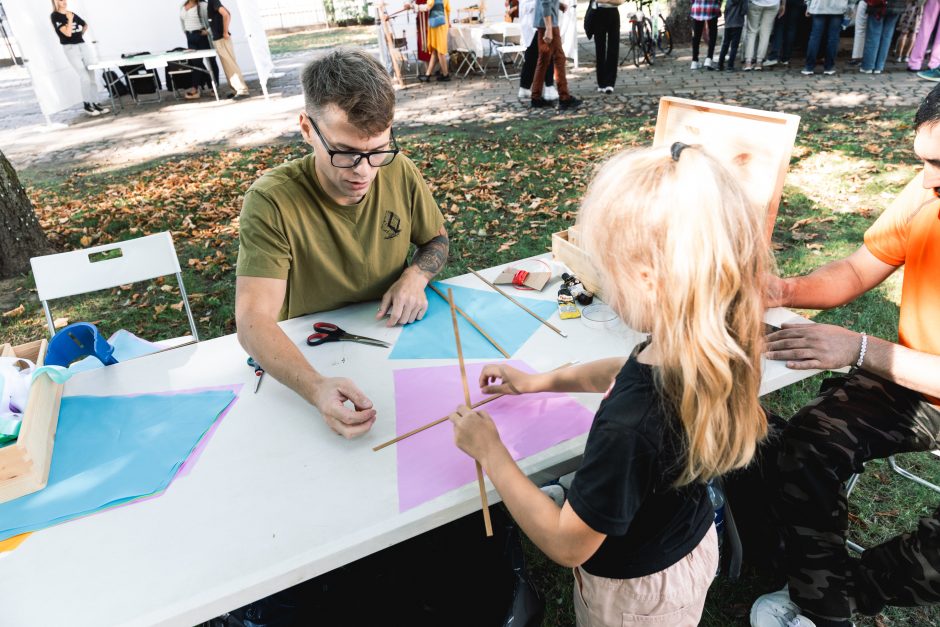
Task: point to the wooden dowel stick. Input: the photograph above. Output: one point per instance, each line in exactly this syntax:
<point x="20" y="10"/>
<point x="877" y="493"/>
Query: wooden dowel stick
<point x="487" y="523"/>
<point x="433" y="423"/>
<point x="444" y="419"/>
<point x="520" y="305"/>
<point x="472" y="323"/>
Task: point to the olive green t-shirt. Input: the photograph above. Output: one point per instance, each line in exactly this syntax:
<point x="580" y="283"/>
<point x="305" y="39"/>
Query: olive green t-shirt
<point x="332" y="255"/>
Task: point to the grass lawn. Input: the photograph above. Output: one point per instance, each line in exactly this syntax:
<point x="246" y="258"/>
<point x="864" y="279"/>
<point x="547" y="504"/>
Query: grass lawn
<point x="325" y="38"/>
<point x="503" y="193"/>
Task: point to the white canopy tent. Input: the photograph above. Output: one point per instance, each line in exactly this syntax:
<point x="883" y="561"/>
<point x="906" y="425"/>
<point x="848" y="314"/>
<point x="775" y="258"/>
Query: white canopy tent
<point x="116" y="28"/>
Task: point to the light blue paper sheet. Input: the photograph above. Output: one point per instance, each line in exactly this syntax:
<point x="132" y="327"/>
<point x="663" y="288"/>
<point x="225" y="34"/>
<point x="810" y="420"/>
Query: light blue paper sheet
<point x="433" y="337"/>
<point x="113" y="449"/>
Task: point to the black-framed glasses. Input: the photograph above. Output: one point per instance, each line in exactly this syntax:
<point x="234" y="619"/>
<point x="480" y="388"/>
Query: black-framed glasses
<point x="352" y="158"/>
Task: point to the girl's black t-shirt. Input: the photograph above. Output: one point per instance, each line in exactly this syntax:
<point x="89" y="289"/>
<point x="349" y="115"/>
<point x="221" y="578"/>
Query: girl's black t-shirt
<point x="634" y="452"/>
<point x="78" y="28"/>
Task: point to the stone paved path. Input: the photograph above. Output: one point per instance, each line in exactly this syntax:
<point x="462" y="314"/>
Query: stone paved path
<point x="141" y="133"/>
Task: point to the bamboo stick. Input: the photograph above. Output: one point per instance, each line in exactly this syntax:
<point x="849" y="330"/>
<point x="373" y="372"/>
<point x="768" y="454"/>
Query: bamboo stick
<point x="433" y="423"/>
<point x="487" y="523"/>
<point x="520" y="305"/>
<point x="472" y="323"/>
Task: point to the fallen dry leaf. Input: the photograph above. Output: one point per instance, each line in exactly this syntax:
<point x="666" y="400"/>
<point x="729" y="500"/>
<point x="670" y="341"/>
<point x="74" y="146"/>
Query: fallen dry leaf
<point x="14" y="312"/>
<point x="177" y="307"/>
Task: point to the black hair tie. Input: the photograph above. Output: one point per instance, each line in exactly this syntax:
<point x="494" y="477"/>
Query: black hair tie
<point x="677" y="149"/>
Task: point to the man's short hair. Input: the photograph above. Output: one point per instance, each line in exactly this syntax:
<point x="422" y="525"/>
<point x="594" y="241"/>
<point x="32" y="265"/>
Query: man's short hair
<point x="356" y="83"/>
<point x="929" y="110"/>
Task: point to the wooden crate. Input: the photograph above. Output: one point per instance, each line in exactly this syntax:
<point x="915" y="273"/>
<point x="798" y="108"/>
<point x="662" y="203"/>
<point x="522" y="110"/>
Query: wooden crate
<point x="755" y="145"/>
<point x="566" y="248"/>
<point x="24" y="465"/>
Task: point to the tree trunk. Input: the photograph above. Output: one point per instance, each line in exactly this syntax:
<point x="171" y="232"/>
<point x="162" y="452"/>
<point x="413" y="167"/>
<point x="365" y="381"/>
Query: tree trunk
<point x="680" y="20"/>
<point x="21" y="237"/>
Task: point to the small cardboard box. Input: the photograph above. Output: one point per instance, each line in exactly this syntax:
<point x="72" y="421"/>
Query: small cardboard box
<point x="566" y="248"/>
<point x="24" y="464"/>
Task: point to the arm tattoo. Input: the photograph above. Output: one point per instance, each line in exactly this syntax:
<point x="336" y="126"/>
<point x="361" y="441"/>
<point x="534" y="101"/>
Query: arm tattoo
<point x="431" y="257"/>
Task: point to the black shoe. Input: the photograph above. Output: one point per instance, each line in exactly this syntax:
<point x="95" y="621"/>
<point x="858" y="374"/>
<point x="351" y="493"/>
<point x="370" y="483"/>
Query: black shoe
<point x="444" y="78"/>
<point x="538" y="103"/>
<point x="90" y="110"/>
<point x="231" y="96"/>
<point x="571" y="103"/>
<point x="854" y="61"/>
<point x="424" y="78"/>
<point x="100" y="109"/>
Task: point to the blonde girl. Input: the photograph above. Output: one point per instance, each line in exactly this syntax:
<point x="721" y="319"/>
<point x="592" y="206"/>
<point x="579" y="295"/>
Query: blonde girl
<point x="638" y="527"/>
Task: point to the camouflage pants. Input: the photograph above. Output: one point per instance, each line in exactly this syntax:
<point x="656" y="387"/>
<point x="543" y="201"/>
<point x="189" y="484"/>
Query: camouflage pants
<point x="855" y="418"/>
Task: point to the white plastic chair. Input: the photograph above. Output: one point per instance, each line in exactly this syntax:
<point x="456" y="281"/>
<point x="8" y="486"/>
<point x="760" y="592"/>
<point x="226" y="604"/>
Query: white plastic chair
<point x="506" y="46"/>
<point x="469" y="62"/>
<point x="76" y="272"/>
<point x="893" y="465"/>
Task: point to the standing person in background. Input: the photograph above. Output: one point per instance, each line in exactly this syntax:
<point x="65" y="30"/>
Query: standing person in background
<point x="881" y="25"/>
<point x="861" y="26"/>
<point x="71" y="30"/>
<point x="928" y="24"/>
<point x="530" y="34"/>
<point x="827" y="22"/>
<point x="908" y="26"/>
<point x="550" y="52"/>
<point x="760" y="24"/>
<point x="607" y="43"/>
<point x="785" y="27"/>
<point x="438" y="19"/>
<point x="735" y="10"/>
<point x="194" y="18"/>
<point x="219" y="21"/>
<point x="704" y="13"/>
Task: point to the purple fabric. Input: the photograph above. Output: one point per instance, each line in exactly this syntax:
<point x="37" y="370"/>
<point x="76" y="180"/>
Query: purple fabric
<point x="429" y="464"/>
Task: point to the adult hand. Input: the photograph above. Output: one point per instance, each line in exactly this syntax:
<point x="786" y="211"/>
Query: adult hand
<point x="809" y="346"/>
<point x="775" y="291"/>
<point x="547" y="38"/>
<point x="204" y="32"/>
<point x="330" y="397"/>
<point x="226" y="35"/>
<point x="475" y="433"/>
<point x="404" y="302"/>
<point x="783" y="9"/>
<point x="511" y="380"/>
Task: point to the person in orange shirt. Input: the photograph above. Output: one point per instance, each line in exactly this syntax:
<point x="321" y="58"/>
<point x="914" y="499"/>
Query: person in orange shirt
<point x="888" y="403"/>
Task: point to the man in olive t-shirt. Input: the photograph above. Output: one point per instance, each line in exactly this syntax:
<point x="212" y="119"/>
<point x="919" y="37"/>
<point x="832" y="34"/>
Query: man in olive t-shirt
<point x="334" y="228"/>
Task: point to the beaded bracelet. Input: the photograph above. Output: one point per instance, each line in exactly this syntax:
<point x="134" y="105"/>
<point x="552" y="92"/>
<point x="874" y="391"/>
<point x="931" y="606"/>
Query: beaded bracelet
<point x="861" y="352"/>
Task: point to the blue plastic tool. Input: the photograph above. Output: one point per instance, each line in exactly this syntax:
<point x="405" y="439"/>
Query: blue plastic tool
<point x="77" y="341"/>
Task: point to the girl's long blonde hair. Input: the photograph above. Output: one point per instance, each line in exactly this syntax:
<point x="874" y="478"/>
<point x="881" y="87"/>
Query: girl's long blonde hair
<point x="686" y="230"/>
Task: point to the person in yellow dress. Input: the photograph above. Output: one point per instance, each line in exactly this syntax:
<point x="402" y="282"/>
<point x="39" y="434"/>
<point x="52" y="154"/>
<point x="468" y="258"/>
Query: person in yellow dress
<point x="438" y="19"/>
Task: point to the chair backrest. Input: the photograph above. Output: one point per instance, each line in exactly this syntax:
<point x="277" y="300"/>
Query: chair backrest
<point x="107" y="266"/>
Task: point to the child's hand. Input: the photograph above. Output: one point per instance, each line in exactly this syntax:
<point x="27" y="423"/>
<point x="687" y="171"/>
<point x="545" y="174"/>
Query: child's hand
<point x="475" y="433"/>
<point x="512" y="380"/>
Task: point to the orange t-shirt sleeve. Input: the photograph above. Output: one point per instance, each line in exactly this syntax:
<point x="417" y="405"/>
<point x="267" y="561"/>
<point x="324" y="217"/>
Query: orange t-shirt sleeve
<point x="887" y="237"/>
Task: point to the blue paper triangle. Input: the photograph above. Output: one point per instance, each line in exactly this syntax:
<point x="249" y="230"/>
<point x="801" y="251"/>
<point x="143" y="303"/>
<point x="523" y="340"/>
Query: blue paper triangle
<point x="433" y="336"/>
<point x="111" y="449"/>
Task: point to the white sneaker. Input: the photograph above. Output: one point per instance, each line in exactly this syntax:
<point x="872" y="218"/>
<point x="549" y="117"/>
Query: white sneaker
<point x="777" y="610"/>
<point x="608" y="90"/>
<point x="524" y="94"/>
<point x="829" y="72"/>
<point x="695" y="65"/>
<point x="600" y="90"/>
<point x="708" y="63"/>
<point x="769" y="62"/>
<point x="90" y="110"/>
<point x="550" y="92"/>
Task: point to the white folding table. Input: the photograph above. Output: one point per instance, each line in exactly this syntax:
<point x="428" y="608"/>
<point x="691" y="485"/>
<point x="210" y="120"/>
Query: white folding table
<point x="157" y="61"/>
<point x="276" y="498"/>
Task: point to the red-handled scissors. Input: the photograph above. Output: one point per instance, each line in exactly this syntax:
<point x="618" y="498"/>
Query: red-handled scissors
<point x="328" y="332"/>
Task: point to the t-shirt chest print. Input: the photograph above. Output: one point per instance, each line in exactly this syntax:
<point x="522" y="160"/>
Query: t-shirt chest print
<point x="391" y="225"/>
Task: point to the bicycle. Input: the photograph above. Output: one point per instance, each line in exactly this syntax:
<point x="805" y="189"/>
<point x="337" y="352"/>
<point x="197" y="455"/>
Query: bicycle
<point x="647" y="34"/>
<point x="640" y="39"/>
<point x="660" y="32"/>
